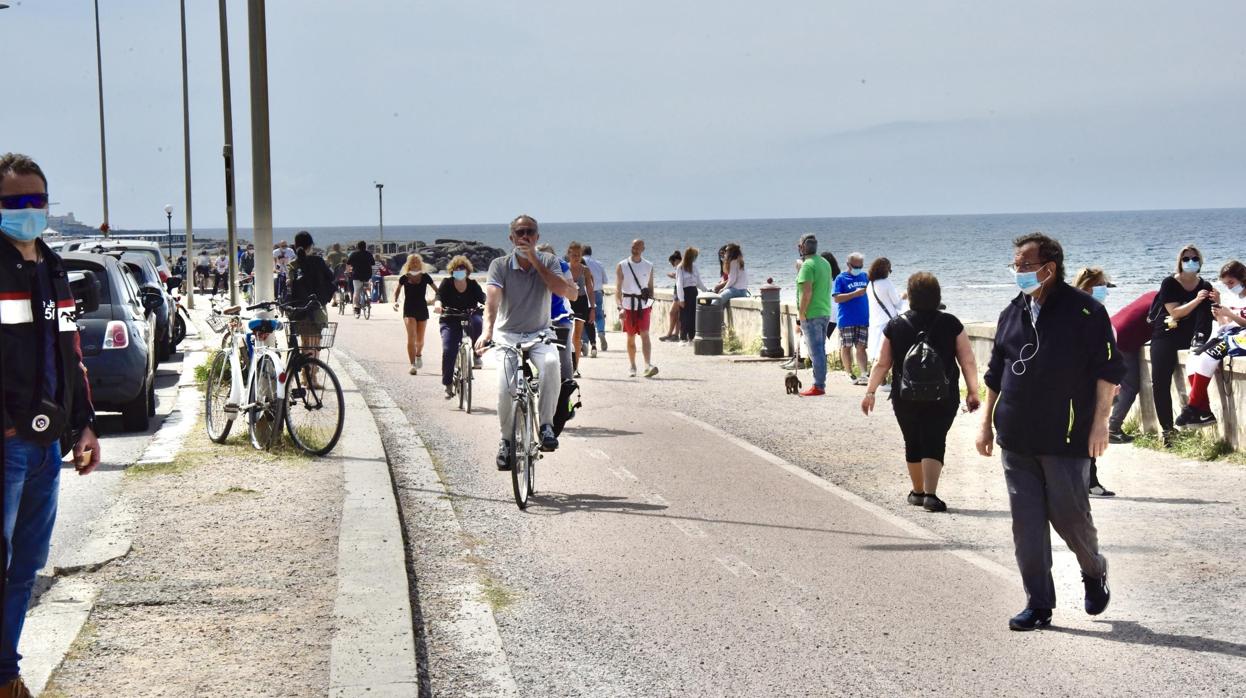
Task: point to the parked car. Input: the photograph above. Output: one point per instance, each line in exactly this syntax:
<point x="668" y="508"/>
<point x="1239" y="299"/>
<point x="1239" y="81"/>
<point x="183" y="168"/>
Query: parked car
<point x="118" y="340"/>
<point x="152" y="250"/>
<point x="148" y="277"/>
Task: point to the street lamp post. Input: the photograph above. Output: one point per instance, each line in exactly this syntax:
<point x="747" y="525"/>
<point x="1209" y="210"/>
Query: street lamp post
<point x="99" y="77"/>
<point x="168" y="214"/>
<point x="380" y="213"/>
<point x="190" y="228"/>
<point x="261" y="157"/>
<point x="231" y="219"/>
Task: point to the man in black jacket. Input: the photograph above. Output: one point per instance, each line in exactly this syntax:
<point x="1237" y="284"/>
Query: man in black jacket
<point x="1051" y="377"/>
<point x="46" y="397"/>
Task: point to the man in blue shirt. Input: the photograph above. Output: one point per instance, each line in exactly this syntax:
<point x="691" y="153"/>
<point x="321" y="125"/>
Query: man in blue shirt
<point x="853" y="316"/>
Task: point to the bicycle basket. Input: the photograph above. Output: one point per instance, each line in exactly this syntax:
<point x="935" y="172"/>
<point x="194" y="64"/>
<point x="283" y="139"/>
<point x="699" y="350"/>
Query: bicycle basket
<point x="312" y="335"/>
<point x="217" y="322"/>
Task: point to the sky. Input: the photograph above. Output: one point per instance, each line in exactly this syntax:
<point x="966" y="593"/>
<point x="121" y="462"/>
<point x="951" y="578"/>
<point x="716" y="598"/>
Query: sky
<point x="472" y="111"/>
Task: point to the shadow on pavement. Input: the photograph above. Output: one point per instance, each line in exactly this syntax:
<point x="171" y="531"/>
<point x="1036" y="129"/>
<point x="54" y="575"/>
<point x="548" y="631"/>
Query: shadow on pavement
<point x="659" y="377"/>
<point x="1136" y="634"/>
<point x="917" y="547"/>
<point x="1162" y="500"/>
<point x="591" y="432"/>
<point x="982" y="513"/>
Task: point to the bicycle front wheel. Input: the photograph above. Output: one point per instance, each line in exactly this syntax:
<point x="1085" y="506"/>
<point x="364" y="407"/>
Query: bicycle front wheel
<point x="266" y="408"/>
<point x="217" y="420"/>
<point x="521" y="438"/>
<point x="367" y="310"/>
<point x="315" y="408"/>
<point x="461" y="379"/>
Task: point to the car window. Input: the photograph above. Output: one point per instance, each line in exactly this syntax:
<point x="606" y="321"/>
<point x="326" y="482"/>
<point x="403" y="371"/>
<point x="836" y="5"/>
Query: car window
<point x="151" y="255"/>
<point x="132" y="286"/>
<point x="104" y="312"/>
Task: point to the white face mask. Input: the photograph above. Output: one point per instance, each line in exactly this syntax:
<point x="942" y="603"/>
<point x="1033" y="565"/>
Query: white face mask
<point x="1239" y="291"/>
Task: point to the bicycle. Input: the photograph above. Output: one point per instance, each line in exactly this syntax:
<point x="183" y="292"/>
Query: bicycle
<point x="464" y="362"/>
<point x="525" y="424"/>
<point x="292" y="391"/>
<point x="364" y="307"/>
<point x="343" y="297"/>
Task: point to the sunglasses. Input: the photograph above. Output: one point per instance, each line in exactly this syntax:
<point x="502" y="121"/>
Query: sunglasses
<point x="524" y="232"/>
<point x="14" y="201"/>
<point x="1190" y="259"/>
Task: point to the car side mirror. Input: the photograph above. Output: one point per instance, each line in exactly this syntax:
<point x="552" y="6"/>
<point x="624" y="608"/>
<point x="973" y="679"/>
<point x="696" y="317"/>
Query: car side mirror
<point x="173" y="283"/>
<point x="85" y="288"/>
<point x="151" y="298"/>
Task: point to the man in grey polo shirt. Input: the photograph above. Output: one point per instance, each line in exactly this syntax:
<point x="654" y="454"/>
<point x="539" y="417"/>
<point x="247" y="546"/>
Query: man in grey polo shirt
<point x="519" y="286"/>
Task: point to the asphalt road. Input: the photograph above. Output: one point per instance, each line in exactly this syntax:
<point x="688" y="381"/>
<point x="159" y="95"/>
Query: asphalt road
<point x="663" y="555"/>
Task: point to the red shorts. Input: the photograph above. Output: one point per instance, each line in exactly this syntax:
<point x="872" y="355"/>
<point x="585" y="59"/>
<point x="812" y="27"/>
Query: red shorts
<point x="636" y="321"/>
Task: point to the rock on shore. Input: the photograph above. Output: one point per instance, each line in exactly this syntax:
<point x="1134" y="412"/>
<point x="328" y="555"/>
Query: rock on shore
<point x="441" y="251"/>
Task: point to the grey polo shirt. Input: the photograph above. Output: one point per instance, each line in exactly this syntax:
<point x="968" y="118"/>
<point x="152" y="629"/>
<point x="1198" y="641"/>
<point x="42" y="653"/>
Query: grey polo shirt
<point x="525" y="298"/>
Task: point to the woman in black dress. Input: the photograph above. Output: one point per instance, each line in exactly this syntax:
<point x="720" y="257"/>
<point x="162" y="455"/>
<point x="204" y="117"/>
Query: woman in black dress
<point x="416" y="284"/>
<point x="461" y="295"/>
<point x="1180" y="316"/>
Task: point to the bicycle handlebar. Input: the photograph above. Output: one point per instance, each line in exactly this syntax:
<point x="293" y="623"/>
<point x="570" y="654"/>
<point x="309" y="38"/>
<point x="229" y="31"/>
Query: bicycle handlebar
<point x="269" y="305"/>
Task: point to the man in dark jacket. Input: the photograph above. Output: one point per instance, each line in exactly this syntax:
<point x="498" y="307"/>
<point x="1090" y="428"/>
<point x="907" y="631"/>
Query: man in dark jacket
<point x="46" y="397"/>
<point x="1051" y="377"/>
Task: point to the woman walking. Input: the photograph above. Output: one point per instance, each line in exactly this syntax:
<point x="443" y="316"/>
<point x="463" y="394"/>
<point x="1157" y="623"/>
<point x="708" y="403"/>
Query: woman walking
<point x="672" y="324"/>
<point x="688" y="283"/>
<point x="1180" y="315"/>
<point x="416" y="284"/>
<point x="462" y="296"/>
<point x="886" y="304"/>
<point x="925" y="401"/>
<point x="735" y="284"/>
<point x="582" y="307"/>
<point x="1094" y="281"/>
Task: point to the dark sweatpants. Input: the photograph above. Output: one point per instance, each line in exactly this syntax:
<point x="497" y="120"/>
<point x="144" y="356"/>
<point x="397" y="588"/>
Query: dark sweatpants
<point x="451" y="335"/>
<point x="1051" y="490"/>
<point x="1163" y="363"/>
<point x="688" y="314"/>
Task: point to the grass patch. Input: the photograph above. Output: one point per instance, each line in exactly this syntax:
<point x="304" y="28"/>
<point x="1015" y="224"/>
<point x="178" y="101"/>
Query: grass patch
<point x="176" y="467"/>
<point x="237" y="490"/>
<point x="498" y="597"/>
<point x="1199" y="445"/>
<point x="201" y="371"/>
<point x="79" y="649"/>
<point x="731" y="341"/>
<point x="754" y="347"/>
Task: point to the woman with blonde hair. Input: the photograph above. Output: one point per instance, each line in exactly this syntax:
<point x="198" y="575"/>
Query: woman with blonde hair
<point x="458" y="295"/>
<point x="417" y="284"/>
<point x="1180" y="316"/>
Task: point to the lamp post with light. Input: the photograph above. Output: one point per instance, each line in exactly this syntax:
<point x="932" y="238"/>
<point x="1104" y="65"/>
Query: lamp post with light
<point x="168" y="214"/>
<point x="380" y="213"/>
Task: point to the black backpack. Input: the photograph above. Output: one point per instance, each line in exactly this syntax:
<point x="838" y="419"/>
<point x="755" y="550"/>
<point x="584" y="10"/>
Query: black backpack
<point x="922" y="374"/>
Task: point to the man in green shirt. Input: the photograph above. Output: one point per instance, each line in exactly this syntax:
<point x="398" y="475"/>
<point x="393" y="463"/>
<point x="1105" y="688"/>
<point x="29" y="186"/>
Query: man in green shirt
<point x="813" y="291"/>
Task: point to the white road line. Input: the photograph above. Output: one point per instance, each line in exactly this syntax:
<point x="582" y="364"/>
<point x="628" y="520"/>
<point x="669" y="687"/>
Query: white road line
<point x="657" y="500"/>
<point x="969" y="556"/>
<point x="736" y="566"/>
<point x="597" y="453"/>
<point x="689" y="529"/>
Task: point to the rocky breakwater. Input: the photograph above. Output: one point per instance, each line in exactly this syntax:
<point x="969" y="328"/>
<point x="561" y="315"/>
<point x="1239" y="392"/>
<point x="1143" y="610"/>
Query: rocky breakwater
<point x="442" y="251"/>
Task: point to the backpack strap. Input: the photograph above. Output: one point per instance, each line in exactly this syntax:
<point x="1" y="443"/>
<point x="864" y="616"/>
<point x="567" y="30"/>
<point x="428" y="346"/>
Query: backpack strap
<point x="874" y="290"/>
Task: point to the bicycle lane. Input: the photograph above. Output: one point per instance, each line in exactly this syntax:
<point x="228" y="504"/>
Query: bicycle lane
<point x="661" y="555"/>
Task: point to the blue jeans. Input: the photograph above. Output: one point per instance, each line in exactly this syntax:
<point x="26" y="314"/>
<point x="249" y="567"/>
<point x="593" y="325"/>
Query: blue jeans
<point x="451" y="335"/>
<point x="728" y="293"/>
<point x="814" y="329"/>
<point x="31" y="481"/>
<point x="599" y="299"/>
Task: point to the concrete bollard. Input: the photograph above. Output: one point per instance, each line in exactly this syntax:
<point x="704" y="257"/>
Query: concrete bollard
<point x="771" y="332"/>
<point x="709" y="338"/>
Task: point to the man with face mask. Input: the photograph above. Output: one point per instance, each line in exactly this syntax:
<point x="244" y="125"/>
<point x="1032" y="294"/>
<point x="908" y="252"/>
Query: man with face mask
<point x="43" y="385"/>
<point x="1053" y="370"/>
<point x="854" y="316"/>
<point x="518" y="296"/>
<point x="813" y="284"/>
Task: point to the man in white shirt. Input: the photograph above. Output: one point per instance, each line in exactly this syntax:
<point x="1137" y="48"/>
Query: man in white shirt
<point x="634" y="298"/>
<point x="597" y="329"/>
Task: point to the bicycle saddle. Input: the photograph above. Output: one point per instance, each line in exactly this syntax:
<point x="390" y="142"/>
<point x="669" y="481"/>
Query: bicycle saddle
<point x="264" y="325"/>
<point x="232" y="310"/>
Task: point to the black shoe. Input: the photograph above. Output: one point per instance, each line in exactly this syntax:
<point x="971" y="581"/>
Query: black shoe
<point x="1184" y="418"/>
<point x="1097" y="593"/>
<point x="1099" y="490"/>
<point x="506" y="455"/>
<point x="917" y="498"/>
<point x="1168" y="436"/>
<point x="549" y="442"/>
<point x="933" y="503"/>
<point x="1200" y="418"/>
<point x="603" y="342"/>
<point x="1119" y="437"/>
<point x="1030" y="619"/>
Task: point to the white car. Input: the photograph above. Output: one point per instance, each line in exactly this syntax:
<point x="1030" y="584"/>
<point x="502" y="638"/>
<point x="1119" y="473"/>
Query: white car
<point x="100" y="245"/>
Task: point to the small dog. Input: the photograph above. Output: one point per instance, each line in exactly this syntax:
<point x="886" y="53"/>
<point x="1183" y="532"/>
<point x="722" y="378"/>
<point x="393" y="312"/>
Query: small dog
<point x="792" y="383"/>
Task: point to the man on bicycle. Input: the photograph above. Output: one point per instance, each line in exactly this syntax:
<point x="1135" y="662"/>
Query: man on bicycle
<point x="360" y="264"/>
<point x="520" y="285"/>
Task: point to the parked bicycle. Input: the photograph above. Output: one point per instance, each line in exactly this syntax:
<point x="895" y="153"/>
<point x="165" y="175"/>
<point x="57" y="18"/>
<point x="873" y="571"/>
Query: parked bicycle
<point x="297" y="390"/>
<point x="525" y="424"/>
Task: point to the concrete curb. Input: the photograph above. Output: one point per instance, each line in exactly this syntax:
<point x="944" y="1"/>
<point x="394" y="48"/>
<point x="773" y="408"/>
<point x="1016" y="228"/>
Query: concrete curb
<point x="373" y="649"/>
<point x="473" y="660"/>
<point x="56" y="621"/>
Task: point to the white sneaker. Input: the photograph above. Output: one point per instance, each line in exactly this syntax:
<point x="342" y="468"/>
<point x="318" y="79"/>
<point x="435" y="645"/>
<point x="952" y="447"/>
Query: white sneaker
<point x="419" y="362"/>
<point x="631" y="372"/>
<point x="683" y="343"/>
<point x="790" y="364"/>
<point x="651" y="371"/>
<point x="592" y="353"/>
<point x="413" y="369"/>
<point x="861" y="380"/>
<point x="885" y="387"/>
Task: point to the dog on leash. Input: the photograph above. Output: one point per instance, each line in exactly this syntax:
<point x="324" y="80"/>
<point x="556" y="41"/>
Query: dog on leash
<point x="792" y="383"/>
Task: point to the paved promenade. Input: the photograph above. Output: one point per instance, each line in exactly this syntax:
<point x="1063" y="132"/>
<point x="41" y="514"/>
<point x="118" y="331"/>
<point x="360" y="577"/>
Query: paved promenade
<point x="703" y="533"/>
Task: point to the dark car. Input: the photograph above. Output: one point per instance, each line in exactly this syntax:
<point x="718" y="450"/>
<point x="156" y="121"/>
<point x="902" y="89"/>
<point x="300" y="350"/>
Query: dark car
<point x="119" y="340"/>
<point x="149" y="277"/>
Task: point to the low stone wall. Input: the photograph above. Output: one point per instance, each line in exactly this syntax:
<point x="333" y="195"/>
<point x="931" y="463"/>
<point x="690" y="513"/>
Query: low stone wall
<point x="743" y="316"/>
<point x="1228" y="398"/>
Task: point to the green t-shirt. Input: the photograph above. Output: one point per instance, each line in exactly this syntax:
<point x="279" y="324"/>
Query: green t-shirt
<point x="817" y="271"/>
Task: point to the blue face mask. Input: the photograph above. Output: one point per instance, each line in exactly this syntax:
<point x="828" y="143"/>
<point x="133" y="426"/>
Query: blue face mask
<point x="857" y="270"/>
<point x="1099" y="293"/>
<point x="1191" y="267"/>
<point x="459" y="274"/>
<point x="1027" y="281"/>
<point x="23" y="224"/>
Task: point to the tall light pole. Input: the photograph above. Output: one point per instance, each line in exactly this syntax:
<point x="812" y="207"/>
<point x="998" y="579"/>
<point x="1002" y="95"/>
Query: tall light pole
<point x="380" y="213"/>
<point x="190" y="234"/>
<point x="231" y="220"/>
<point x="261" y="159"/>
<point x="168" y="214"/>
<point x="99" y="77"/>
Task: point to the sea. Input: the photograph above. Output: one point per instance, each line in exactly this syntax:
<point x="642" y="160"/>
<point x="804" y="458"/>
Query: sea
<point x="968" y="253"/>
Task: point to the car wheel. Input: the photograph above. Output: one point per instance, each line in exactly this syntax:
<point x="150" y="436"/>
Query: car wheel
<point x="136" y="414"/>
<point x="164" y="347"/>
<point x="179" y="330"/>
<point x="151" y="399"/>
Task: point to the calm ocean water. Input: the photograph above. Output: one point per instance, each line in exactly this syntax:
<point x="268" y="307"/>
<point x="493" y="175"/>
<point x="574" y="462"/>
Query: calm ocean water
<point x="969" y="253"/>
